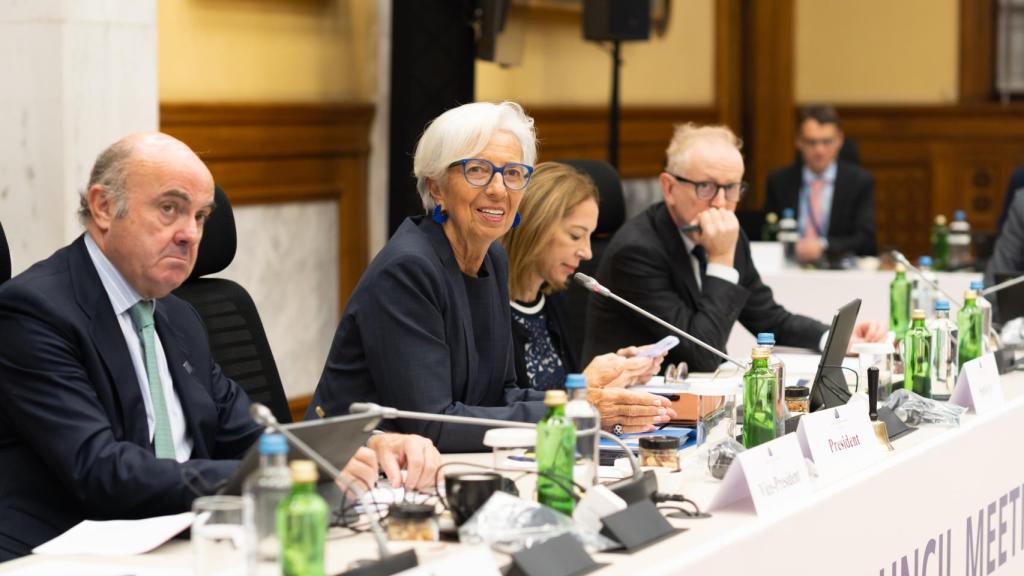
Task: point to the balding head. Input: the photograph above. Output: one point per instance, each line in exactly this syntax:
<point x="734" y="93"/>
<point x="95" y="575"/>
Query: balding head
<point x="148" y="198"/>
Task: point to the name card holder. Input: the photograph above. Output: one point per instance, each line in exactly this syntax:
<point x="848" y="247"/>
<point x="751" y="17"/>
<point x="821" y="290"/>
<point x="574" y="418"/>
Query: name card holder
<point x="560" y="556"/>
<point x="839" y="439"/>
<point x="771" y="476"/>
<point x="978" y="387"/>
<point x="639" y="525"/>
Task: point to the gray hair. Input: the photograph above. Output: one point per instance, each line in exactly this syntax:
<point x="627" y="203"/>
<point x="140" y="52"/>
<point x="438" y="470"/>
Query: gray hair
<point x="688" y="136"/>
<point x="111" y="172"/>
<point x="463" y="132"/>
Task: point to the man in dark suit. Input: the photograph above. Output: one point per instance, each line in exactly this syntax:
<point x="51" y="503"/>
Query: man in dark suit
<point x="834" y="199"/>
<point x="111" y="405"/>
<point x="701" y="281"/>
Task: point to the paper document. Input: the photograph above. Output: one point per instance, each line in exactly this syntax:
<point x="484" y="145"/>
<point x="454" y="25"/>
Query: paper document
<point x="66" y="568"/>
<point x="116" y="537"/>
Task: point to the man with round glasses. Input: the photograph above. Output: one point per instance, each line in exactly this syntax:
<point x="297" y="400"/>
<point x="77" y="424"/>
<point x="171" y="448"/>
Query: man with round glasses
<point x="687" y="261"/>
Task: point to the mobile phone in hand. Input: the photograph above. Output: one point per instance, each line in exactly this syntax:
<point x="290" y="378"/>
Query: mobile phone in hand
<point x="660" y="347"/>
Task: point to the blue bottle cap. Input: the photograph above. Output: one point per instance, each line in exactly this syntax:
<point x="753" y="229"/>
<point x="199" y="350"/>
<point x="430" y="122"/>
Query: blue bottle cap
<point x="977" y="284"/>
<point x="273" y="444"/>
<point x="766" y="339"/>
<point x="959" y="216"/>
<point x="942" y="305"/>
<point x="575" y="381"/>
<point x="787" y="212"/>
<point x="924" y="261"/>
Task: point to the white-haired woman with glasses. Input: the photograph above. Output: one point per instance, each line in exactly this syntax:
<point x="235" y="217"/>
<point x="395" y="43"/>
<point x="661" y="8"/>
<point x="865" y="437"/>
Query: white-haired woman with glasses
<point x="427" y="328"/>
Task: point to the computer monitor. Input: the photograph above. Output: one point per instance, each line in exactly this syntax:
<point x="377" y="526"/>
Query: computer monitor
<point x="829" y="388"/>
<point x="336" y="439"/>
<point x="1009" y="301"/>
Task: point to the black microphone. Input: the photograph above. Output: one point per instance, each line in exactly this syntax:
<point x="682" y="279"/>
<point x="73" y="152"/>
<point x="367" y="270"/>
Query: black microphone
<point x="596" y="287"/>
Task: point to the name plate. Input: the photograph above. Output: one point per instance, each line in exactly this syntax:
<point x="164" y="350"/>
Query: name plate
<point x="978" y="386"/>
<point x="469" y="560"/>
<point x="839" y="439"/>
<point x="772" y="476"/>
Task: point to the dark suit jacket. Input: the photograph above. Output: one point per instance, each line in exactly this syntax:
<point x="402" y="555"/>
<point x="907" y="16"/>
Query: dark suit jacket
<point x="557" y="315"/>
<point x="74" y="443"/>
<point x="648" y="265"/>
<point x="406" y="340"/>
<point x="851" y="226"/>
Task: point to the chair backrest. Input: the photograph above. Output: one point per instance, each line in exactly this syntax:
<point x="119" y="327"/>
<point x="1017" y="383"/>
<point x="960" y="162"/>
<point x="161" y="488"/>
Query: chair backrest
<point x="237" y="339"/>
<point x="610" y="217"/>
<point x="5" y="257"/>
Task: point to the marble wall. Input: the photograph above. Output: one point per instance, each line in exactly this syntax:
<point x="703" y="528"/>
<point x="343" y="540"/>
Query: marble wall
<point x="76" y="77"/>
<point x="287" y="259"/>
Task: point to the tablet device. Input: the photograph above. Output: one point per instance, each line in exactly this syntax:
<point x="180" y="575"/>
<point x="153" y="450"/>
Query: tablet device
<point x="336" y="439"/>
<point x="829" y="387"/>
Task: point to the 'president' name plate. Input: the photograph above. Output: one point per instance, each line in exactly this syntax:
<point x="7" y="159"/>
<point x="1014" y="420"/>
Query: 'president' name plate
<point x="978" y="386"/>
<point x="839" y="439"/>
<point x="772" y="476"/>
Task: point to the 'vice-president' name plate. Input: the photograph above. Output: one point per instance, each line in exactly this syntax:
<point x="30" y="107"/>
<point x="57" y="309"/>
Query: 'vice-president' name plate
<point x="772" y="476"/>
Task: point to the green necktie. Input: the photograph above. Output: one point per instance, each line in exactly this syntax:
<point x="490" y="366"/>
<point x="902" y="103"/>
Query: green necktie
<point x="142" y="318"/>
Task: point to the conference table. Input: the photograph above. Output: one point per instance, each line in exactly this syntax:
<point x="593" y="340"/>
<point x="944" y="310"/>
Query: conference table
<point x="945" y="495"/>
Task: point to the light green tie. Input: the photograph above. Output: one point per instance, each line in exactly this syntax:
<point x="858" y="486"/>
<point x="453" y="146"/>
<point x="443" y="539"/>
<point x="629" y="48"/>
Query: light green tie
<point x="142" y="318"/>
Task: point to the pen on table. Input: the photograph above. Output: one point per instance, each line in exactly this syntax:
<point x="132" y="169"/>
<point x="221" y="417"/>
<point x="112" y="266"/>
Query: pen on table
<point x="690" y="228"/>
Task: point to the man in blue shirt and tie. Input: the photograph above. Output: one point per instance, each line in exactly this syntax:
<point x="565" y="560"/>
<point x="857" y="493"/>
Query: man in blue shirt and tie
<point x="111" y="405"/>
<point x="834" y="199"/>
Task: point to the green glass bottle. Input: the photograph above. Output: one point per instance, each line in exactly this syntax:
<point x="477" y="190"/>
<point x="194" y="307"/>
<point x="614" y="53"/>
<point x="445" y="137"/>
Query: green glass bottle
<point x="302" y="524"/>
<point x="556" y="454"/>
<point x="770" y="229"/>
<point x="917" y="356"/>
<point x="899" y="303"/>
<point x="940" y="243"/>
<point x="968" y="322"/>
<point x="759" y="391"/>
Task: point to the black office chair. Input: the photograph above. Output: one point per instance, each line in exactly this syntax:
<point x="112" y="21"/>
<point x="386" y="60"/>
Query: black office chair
<point x="5" y="257"/>
<point x="610" y="217"/>
<point x="237" y="339"/>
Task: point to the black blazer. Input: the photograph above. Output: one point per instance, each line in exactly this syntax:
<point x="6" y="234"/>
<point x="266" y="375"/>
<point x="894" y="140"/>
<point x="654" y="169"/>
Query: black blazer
<point x="406" y="340"/>
<point x="557" y="316"/>
<point x="851" y="225"/>
<point x="647" y="264"/>
<point x="74" y="443"/>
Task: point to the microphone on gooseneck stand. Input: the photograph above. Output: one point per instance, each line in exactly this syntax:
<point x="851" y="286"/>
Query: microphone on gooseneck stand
<point x="388" y="563"/>
<point x="596" y="287"/>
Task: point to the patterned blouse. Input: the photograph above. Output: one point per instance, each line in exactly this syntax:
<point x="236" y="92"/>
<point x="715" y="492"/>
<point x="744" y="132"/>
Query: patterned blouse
<point x="543" y="363"/>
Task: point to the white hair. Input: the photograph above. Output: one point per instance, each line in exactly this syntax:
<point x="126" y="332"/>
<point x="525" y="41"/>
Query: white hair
<point x="463" y="132"/>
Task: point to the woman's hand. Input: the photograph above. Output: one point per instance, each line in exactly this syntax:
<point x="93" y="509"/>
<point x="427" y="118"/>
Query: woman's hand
<point x="634" y="352"/>
<point x="635" y="411"/>
<point x="619" y="371"/>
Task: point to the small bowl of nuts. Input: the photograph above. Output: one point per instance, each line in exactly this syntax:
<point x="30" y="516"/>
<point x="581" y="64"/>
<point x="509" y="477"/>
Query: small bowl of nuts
<point x="660" y="452"/>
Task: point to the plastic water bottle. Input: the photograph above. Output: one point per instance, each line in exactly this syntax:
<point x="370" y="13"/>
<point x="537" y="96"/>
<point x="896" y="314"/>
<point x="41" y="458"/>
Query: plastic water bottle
<point x="945" y="336"/>
<point x="788" y="235"/>
<point x="922" y="295"/>
<point x="302" y="524"/>
<point x="986" y="316"/>
<point x="767" y="340"/>
<point x="264" y="489"/>
<point x="959" y="242"/>
<point x="556" y="451"/>
<point x="585" y="417"/>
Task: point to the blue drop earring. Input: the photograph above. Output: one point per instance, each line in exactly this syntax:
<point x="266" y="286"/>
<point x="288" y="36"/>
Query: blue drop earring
<point x="518" y="220"/>
<point x="439" y="216"/>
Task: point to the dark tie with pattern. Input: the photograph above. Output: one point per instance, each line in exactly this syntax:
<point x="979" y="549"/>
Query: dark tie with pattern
<point x="702" y="258"/>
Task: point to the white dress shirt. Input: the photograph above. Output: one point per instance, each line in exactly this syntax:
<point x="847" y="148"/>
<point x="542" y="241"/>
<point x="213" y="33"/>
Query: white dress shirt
<point x="122" y="298"/>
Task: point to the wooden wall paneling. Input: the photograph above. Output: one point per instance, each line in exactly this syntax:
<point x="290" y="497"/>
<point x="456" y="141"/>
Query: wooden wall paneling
<point x="582" y="132"/>
<point x="977" y="50"/>
<point x="729" y="63"/>
<point x="768" y="129"/>
<point x="276" y="153"/>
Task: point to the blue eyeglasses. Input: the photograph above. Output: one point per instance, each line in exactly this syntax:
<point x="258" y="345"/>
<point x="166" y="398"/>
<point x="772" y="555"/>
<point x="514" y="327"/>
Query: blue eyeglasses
<point x="479" y="172"/>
